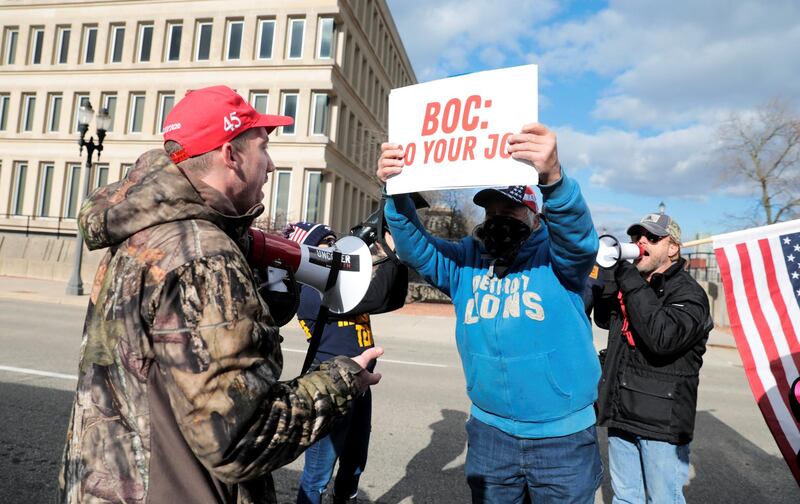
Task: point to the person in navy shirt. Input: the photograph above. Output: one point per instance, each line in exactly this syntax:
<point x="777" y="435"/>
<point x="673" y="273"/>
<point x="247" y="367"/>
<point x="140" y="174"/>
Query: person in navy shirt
<point x="522" y="333"/>
<point x="344" y="334"/>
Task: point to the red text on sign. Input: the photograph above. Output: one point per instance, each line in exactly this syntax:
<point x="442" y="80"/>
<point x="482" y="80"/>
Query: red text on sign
<point x="454" y="149"/>
<point x="455" y="112"/>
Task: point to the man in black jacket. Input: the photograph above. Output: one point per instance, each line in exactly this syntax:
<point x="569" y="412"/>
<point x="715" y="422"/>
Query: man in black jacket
<point x="658" y="321"/>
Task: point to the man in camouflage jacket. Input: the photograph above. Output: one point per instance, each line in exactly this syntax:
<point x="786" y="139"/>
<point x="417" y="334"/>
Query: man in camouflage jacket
<point x="178" y="398"/>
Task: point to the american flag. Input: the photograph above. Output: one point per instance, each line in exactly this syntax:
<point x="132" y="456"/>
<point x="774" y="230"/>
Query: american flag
<point x="761" y="274"/>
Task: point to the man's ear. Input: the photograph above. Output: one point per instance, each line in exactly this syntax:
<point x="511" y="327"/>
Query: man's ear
<point x="673" y="250"/>
<point x="229" y="156"/>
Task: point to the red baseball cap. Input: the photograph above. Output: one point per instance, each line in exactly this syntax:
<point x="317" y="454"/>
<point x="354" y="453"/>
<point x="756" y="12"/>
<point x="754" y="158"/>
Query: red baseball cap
<point x="207" y="118"/>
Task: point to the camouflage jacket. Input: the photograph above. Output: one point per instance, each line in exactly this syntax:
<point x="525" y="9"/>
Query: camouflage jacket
<point x="178" y="398"/>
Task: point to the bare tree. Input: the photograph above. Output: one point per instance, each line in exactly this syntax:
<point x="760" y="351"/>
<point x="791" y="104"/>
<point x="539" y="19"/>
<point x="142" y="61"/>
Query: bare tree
<point x="451" y="214"/>
<point x="764" y="148"/>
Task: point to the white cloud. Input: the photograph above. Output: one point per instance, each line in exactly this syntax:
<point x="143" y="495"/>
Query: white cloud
<point x="441" y="36"/>
<point x="672" y="63"/>
<point x="681" y="163"/>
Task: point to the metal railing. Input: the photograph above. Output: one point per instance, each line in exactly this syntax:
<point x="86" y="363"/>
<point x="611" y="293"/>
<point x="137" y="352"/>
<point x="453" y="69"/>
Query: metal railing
<point x="38" y="224"/>
<point x="703" y="266"/>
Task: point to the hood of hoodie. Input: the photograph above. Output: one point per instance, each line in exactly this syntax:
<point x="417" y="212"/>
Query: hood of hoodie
<point x="153" y="192"/>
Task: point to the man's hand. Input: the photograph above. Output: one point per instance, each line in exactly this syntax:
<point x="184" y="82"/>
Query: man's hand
<point x="364" y="378"/>
<point x="537" y="145"/>
<point x="391" y="161"/>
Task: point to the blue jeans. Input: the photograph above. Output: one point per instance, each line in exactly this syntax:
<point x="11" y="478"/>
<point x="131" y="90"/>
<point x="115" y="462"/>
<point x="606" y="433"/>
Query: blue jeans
<point x="500" y="467"/>
<point x="643" y="470"/>
<point x="349" y="442"/>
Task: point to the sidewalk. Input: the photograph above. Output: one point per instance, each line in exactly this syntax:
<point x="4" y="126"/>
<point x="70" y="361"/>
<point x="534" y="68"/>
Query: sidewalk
<point x="424" y="317"/>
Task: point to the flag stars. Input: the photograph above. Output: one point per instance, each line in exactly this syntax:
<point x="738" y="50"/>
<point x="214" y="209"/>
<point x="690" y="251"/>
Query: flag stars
<point x="787" y="241"/>
<point x="790" y="258"/>
<point x="795" y="275"/>
<point x="797" y="248"/>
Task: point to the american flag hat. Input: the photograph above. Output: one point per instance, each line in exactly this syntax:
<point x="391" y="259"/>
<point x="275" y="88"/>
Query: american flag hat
<point x="308" y="233"/>
<point x="523" y="195"/>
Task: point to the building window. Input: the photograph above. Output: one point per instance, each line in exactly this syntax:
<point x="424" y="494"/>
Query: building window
<point x="266" y="37"/>
<point x="100" y="175"/>
<point x="234" y="40"/>
<point x="89" y="43"/>
<point x="259" y="101"/>
<point x="203" y="42"/>
<point x="62" y="52"/>
<point x="4" y="101"/>
<point x="37" y="40"/>
<point x="73" y="182"/>
<point x="145" y="42"/>
<point x="110" y="103"/>
<point x="136" y="113"/>
<point x="319" y="120"/>
<point x="165" y="103"/>
<point x="296" y="29"/>
<point x="313" y="209"/>
<point x="45" y="189"/>
<point x="80" y="100"/>
<point x="289" y="108"/>
<point x="117" y="43"/>
<point x="28" y="109"/>
<point x="10" y="53"/>
<point x="174" y="33"/>
<point x="54" y="112"/>
<point x="280" y="197"/>
<point x="325" y="38"/>
<point x="18" y="197"/>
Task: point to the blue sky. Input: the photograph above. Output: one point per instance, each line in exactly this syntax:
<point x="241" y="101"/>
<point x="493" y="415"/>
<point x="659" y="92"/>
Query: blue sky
<point x="635" y="89"/>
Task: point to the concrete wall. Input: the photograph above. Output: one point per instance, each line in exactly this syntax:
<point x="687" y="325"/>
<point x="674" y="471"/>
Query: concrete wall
<point x="716" y="301"/>
<point x="44" y="257"/>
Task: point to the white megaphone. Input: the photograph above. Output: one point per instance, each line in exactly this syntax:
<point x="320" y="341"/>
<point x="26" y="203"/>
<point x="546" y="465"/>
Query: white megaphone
<point x="611" y="251"/>
<point x="312" y="266"/>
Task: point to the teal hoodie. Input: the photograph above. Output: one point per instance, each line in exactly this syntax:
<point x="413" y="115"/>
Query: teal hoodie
<point x="524" y="339"/>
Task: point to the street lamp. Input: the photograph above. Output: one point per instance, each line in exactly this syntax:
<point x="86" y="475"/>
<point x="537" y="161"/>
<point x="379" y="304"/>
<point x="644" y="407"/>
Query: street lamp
<point x="662" y="208"/>
<point x="85" y="114"/>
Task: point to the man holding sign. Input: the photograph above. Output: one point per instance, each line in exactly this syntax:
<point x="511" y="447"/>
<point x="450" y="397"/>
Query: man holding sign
<point x="524" y="339"/>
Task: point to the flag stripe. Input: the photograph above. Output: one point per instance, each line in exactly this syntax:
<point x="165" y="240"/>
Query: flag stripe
<point x="790" y="354"/>
<point x="771" y="358"/>
<point x="792" y="312"/>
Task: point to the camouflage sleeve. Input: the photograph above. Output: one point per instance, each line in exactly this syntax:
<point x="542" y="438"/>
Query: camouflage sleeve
<point x="219" y="357"/>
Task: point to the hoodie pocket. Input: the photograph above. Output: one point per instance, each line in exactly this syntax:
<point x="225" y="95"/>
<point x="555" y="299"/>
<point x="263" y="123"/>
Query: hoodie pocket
<point x="486" y="385"/>
<point x="536" y="392"/>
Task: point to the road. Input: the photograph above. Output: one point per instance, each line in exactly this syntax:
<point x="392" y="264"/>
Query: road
<point x="418" y="442"/>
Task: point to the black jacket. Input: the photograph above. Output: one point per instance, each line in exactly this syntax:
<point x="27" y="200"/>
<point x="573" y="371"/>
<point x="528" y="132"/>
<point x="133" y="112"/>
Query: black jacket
<point x="650" y="389"/>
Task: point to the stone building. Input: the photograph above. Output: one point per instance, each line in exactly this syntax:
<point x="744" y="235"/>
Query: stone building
<point x="328" y="63"/>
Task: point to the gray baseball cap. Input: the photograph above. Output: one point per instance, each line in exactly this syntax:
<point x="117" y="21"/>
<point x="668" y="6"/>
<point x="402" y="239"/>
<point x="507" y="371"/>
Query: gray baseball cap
<point x="659" y="224"/>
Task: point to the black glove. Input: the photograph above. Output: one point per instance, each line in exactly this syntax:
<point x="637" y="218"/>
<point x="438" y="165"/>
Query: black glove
<point x="608" y="277"/>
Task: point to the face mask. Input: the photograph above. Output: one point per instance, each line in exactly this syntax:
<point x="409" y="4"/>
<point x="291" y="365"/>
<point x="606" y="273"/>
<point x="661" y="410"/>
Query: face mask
<point x="502" y="236"/>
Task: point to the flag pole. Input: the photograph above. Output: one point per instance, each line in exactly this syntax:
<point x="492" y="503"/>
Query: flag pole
<point x="694" y="243"/>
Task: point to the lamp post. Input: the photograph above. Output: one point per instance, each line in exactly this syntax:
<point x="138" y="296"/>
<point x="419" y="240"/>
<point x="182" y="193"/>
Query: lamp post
<point x="85" y="114"/>
<point x="662" y="208"/>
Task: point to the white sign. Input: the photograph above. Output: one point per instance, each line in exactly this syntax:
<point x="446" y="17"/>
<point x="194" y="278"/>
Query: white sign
<point x="454" y="131"/>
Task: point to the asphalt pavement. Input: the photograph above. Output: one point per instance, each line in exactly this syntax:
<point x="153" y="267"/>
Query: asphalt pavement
<point x="418" y="443"/>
